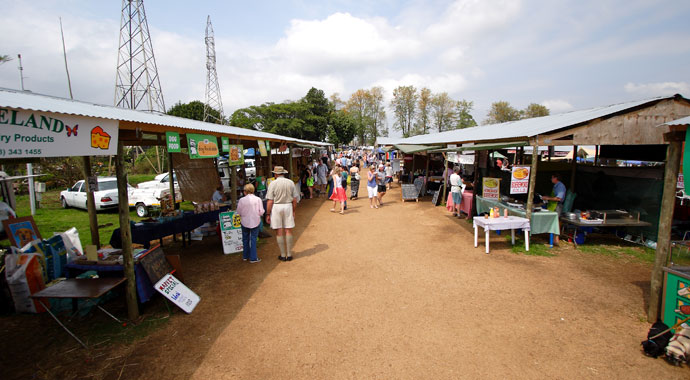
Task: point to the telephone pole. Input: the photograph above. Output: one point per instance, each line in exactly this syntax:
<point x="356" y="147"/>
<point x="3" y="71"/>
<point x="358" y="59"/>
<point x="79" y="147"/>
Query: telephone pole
<point x="213" y="99"/>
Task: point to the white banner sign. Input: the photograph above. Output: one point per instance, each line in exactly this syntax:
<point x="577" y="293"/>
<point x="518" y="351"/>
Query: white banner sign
<point x="519" y="180"/>
<point x="177" y="292"/>
<point x="466" y="159"/>
<point x="45" y="134"/>
<point x="231" y="232"/>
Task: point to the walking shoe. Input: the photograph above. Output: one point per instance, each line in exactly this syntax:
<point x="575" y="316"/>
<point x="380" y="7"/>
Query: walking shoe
<point x="243" y="259"/>
<point x="281" y="258"/>
<point x="255" y="261"/>
<point x="289" y="258"/>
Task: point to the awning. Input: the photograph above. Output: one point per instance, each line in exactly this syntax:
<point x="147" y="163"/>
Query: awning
<point x="487" y="146"/>
<point x="409" y="149"/>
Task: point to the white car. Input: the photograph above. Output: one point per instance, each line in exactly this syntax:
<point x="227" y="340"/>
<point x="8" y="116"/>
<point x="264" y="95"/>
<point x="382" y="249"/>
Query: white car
<point x="105" y="198"/>
<point x="143" y="200"/>
<point x="161" y="181"/>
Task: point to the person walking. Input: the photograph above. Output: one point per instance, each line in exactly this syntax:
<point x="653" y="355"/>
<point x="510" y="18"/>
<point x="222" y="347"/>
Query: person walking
<point x="280" y="211"/>
<point x="250" y="208"/>
<point x="371" y="188"/>
<point x="321" y="173"/>
<point x="338" y="190"/>
<point x="381" y="182"/>
<point x="389" y="175"/>
<point x="354" y="180"/>
<point x="456" y="190"/>
<point x="310" y="183"/>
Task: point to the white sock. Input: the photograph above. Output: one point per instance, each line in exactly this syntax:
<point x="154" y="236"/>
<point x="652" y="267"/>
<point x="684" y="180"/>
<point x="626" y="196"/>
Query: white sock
<point x="288" y="245"/>
<point x="281" y="245"/>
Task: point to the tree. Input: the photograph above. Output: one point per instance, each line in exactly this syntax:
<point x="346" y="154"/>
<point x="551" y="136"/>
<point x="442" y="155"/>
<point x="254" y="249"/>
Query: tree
<point x="501" y="112"/>
<point x="463" y="117"/>
<point x="356" y="106"/>
<point x="192" y="110"/>
<point x="316" y="117"/>
<point x="342" y="127"/>
<point x="404" y="106"/>
<point x="534" y="110"/>
<point x="443" y="111"/>
<point x="424" y="110"/>
<point x="376" y="114"/>
<point x="336" y="102"/>
<point x="4" y="59"/>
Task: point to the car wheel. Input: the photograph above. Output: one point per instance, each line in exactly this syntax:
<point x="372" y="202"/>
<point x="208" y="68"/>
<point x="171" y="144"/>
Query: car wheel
<point x="64" y="202"/>
<point x="142" y="210"/>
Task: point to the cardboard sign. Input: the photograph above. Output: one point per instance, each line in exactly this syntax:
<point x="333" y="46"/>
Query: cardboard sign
<point x="155" y="264"/>
<point x="262" y="147"/>
<point x="177" y="292"/>
<point x="231" y="232"/>
<point x="519" y="180"/>
<point x="491" y="188"/>
<point x="235" y="155"/>
<point x="202" y="146"/>
<point x="26" y="133"/>
<point x="172" y="141"/>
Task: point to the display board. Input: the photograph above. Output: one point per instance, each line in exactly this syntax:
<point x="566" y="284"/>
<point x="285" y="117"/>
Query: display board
<point x="519" y="180"/>
<point x="177" y="292"/>
<point x="235" y="155"/>
<point x="436" y="199"/>
<point x="418" y="184"/>
<point x="491" y="188"/>
<point x="202" y="146"/>
<point x="172" y="140"/>
<point x="155" y="264"/>
<point x="409" y="192"/>
<point x="231" y="232"/>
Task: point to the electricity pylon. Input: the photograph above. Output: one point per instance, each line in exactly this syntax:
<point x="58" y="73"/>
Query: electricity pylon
<point x="213" y="99"/>
<point x="137" y="85"/>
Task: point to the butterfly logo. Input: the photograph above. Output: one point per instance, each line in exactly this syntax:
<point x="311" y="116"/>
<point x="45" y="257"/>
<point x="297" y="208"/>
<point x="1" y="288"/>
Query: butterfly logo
<point x="72" y="131"/>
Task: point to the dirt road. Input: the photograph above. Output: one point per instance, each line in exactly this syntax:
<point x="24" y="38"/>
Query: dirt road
<point x="400" y="292"/>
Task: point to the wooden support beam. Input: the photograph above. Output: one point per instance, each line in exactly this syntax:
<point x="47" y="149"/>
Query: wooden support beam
<point x="126" y="234"/>
<point x="270" y="159"/>
<point x="532" y="182"/>
<point x="233" y="185"/>
<point x="426" y="173"/>
<point x="91" y="204"/>
<point x="573" y="169"/>
<point x="445" y="176"/>
<point x="663" y="246"/>
<point x="475" y="185"/>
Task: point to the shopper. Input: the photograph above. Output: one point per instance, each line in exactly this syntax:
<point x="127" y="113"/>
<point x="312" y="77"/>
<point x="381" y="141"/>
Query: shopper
<point x="250" y="208"/>
<point x="389" y="175"/>
<point x="321" y="174"/>
<point x="371" y="187"/>
<point x="456" y="190"/>
<point x="381" y="182"/>
<point x="280" y="211"/>
<point x="354" y="180"/>
<point x="338" y="190"/>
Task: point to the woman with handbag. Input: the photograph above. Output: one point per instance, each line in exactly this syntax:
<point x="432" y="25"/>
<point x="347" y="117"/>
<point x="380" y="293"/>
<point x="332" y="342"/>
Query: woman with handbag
<point x="339" y="194"/>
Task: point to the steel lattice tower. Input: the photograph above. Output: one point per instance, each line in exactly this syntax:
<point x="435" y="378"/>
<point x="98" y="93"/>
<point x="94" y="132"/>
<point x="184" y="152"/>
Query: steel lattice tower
<point x="137" y="78"/>
<point x="213" y="99"/>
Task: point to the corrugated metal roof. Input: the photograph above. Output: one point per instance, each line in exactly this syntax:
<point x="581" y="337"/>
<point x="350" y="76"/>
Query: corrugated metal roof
<point x="527" y="127"/>
<point x="683" y="121"/>
<point x="387" y="140"/>
<point x="37" y="102"/>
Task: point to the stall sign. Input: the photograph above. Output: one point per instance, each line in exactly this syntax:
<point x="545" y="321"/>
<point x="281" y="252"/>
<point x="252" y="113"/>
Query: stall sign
<point x="46" y="134"/>
<point x="235" y="155"/>
<point x="491" y="187"/>
<point x="172" y="140"/>
<point x="177" y="292"/>
<point x="263" y="147"/>
<point x="225" y="144"/>
<point x="296" y="152"/>
<point x="306" y="152"/>
<point x="202" y="146"/>
<point x="231" y="232"/>
<point x="519" y="180"/>
<point x="466" y="159"/>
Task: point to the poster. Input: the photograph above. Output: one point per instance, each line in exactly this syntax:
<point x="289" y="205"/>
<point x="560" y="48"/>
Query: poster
<point x="262" y="147"/>
<point x="519" y="180"/>
<point x="172" y="141"/>
<point x="225" y="144"/>
<point x="230" y="232"/>
<point x="202" y="146"/>
<point x="235" y="155"/>
<point x="177" y="292"/>
<point x="45" y="134"/>
<point x="296" y="152"/>
<point x="491" y="188"/>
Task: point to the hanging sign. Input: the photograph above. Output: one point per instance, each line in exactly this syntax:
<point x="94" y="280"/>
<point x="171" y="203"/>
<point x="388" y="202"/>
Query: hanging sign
<point x="46" y="134"/>
<point x="235" y="155"/>
<point x="262" y="147"/>
<point x="225" y="144"/>
<point x="177" y="292"/>
<point x="202" y="146"/>
<point x="231" y="232"/>
<point x="296" y="152"/>
<point x="519" y="180"/>
<point x="466" y="159"/>
<point x="172" y="140"/>
<point x="491" y="188"/>
<point x="306" y="152"/>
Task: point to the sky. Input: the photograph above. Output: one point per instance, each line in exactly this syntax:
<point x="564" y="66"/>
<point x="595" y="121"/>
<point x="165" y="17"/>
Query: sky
<point x="566" y="55"/>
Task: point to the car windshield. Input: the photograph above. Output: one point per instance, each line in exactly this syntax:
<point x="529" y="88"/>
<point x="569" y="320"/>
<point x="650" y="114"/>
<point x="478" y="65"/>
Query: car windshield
<point x="107" y="185"/>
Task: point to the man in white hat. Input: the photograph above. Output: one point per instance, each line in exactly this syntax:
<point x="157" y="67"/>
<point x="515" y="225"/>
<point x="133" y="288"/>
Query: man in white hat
<point x="280" y="210"/>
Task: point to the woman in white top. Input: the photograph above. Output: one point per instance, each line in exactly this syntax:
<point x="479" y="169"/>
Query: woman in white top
<point x="456" y="190"/>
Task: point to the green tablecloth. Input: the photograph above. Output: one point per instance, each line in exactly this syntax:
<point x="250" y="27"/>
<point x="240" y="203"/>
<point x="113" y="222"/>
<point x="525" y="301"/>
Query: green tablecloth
<point x="543" y="222"/>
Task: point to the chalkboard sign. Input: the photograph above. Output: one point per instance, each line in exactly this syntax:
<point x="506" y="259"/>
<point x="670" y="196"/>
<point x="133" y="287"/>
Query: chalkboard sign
<point x="436" y="198"/>
<point x="155" y="264"/>
<point x="409" y="192"/>
<point x="419" y="183"/>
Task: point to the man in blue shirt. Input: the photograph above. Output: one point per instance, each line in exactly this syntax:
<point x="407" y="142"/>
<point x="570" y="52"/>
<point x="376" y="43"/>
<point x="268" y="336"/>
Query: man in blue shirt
<point x="557" y="197"/>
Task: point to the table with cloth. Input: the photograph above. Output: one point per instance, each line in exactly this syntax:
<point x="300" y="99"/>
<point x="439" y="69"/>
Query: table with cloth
<point x="542" y="222"/>
<point x="145" y="288"/>
<point x="466" y="205"/>
<point x="511" y="223"/>
<point x="144" y="233"/>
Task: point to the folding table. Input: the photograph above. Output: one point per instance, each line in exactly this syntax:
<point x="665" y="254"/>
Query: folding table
<point x="75" y="288"/>
<point x="501" y="223"/>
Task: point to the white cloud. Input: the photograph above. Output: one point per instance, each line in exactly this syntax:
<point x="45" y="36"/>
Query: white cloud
<point x="557" y="105"/>
<point x="658" y="89"/>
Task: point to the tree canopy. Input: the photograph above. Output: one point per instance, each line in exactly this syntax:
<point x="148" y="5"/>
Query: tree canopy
<point x="502" y="112"/>
<point x="404" y="105"/>
<point x="192" y="110"/>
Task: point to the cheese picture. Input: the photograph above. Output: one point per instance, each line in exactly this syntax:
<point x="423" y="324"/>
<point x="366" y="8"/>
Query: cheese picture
<point x="99" y="138"/>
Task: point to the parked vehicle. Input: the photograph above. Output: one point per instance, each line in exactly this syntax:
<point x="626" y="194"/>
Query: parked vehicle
<point x="224" y="171"/>
<point x="161" y="181"/>
<point x="144" y="200"/>
<point x="105" y="198"/>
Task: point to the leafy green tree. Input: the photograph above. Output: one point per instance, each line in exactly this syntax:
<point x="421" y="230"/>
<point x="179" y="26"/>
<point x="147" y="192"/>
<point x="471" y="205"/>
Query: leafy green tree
<point x="463" y="116"/>
<point x="534" y="110"/>
<point x="336" y="102"/>
<point x="192" y="110"/>
<point x="404" y="106"/>
<point x="424" y="110"/>
<point x="376" y="113"/>
<point x="501" y="112"/>
<point x="356" y="106"/>
<point x="443" y="111"/>
<point x="342" y="128"/>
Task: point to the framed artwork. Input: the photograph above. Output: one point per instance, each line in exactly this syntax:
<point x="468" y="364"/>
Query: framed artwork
<point x="21" y="231"/>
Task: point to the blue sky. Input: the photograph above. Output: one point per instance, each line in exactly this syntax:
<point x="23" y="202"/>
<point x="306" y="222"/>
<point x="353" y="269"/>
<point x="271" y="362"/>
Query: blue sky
<point x="564" y="54"/>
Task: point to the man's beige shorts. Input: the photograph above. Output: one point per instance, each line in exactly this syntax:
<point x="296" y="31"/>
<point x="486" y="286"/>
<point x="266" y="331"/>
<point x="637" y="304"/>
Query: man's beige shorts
<point x="281" y="216"/>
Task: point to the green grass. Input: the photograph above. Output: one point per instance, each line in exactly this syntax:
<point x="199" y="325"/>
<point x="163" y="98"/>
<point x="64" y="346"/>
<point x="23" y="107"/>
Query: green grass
<point x="135" y="179"/>
<point x="534" y="249"/>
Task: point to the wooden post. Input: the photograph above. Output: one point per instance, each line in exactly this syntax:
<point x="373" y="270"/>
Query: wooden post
<point x="171" y="179"/>
<point x="126" y="234"/>
<point x="426" y="174"/>
<point x="532" y="182"/>
<point x="291" y="174"/>
<point x="270" y="159"/>
<point x="445" y="180"/>
<point x="91" y="204"/>
<point x="573" y="169"/>
<point x="233" y="183"/>
<point x="663" y="247"/>
<point x="475" y="185"/>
